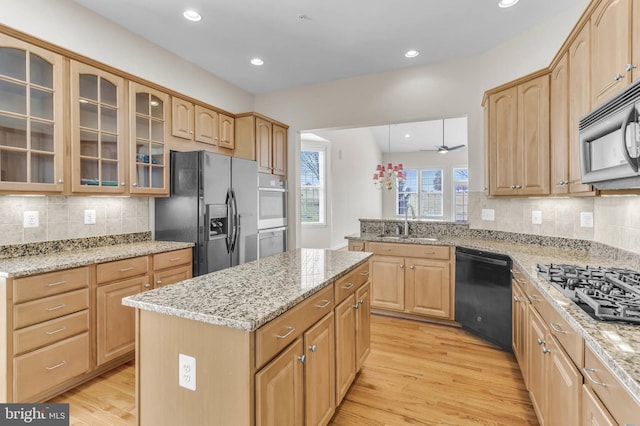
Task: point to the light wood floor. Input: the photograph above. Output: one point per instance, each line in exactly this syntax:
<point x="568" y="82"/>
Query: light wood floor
<point x="416" y="374"/>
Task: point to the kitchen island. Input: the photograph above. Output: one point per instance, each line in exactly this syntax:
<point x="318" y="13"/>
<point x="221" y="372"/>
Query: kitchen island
<point x="239" y="346"/>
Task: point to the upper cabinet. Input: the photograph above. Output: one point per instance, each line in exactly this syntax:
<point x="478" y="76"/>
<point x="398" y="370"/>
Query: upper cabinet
<point x="149" y="159"/>
<point x="519" y="139"/>
<point x="262" y="139"/>
<point x="98" y="135"/>
<point x="200" y="124"/>
<point x="559" y="126"/>
<point x="611" y="39"/>
<point x="31" y="118"/>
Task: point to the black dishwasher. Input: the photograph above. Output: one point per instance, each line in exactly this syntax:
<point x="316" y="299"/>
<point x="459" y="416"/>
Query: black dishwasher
<point x="483" y="295"/>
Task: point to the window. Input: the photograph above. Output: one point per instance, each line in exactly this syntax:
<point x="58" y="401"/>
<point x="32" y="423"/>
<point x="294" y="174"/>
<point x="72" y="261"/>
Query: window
<point x="312" y="184"/>
<point x="461" y="194"/>
<point x="431" y="193"/>
<point x="407" y="193"/>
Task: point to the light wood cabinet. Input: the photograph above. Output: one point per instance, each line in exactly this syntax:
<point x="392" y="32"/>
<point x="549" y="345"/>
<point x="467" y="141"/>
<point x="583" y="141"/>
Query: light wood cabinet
<point x="319" y="372"/>
<point x="537" y="365"/>
<point x="428" y="288"/>
<point x="263" y="140"/>
<point x="419" y="285"/>
<point x="206" y="125"/>
<point x="356" y="245"/>
<point x="226" y="125"/>
<point x="519" y="139"/>
<point x="200" y="124"/>
<point x="363" y="325"/>
<point x="31" y="118"/>
<point x="611" y="38"/>
<point x="98" y="131"/>
<point x="182" y="113"/>
<point x="280" y="389"/>
<point x="115" y="323"/>
<point x="519" y="328"/>
<point x="387" y="283"/>
<point x="149" y="131"/>
<point x="345" y="346"/>
<point x="559" y="127"/>
<point x="172" y="267"/>
<point x="564" y="386"/>
<point x="593" y="412"/>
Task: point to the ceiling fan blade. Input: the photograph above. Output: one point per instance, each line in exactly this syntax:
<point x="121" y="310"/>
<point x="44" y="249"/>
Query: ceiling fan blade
<point x="456" y="147"/>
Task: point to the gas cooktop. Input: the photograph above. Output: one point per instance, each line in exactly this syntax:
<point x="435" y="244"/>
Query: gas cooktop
<point x="607" y="294"/>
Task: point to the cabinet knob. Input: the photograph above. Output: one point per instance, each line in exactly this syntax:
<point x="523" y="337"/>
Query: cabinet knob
<point x="629" y="67"/>
<point x="302" y="358"/>
<point x="411" y="267"/>
<point x="356" y="306"/>
<point x="361" y="301"/>
<point x="312" y="348"/>
<point x="159" y="282"/>
<point x="60" y="180"/>
<point x="513" y="187"/>
<point x="545" y="350"/>
<point x="401" y="265"/>
<point x="618" y="77"/>
<point x="123" y="183"/>
<point x="134" y="184"/>
<point x="516" y="299"/>
<point x="518" y="186"/>
<point x="540" y="341"/>
<point x="147" y="285"/>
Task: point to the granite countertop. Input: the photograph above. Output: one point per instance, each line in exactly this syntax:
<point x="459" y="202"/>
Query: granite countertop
<point x="30" y="265"/>
<point x="252" y="294"/>
<point x="618" y="345"/>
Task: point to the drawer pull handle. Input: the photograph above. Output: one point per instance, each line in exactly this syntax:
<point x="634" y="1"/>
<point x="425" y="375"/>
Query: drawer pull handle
<point x="386" y="249"/>
<point x="326" y="303"/>
<point x="56" y="331"/>
<point x="533" y="298"/>
<point x="56" y="307"/>
<point x="56" y="366"/>
<point x="588" y="371"/>
<point x="556" y="327"/>
<point x="429" y="252"/>
<point x="348" y="286"/>
<point x="365" y="273"/>
<point x="56" y="283"/>
<point x="130" y="268"/>
<point x="174" y="259"/>
<point x="284" y="336"/>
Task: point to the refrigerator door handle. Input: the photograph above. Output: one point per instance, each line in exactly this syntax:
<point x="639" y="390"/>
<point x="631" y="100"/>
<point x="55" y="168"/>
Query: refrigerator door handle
<point x="230" y="223"/>
<point x="236" y="221"/>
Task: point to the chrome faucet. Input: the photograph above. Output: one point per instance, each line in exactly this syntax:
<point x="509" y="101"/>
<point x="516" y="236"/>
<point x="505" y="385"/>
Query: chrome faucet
<point x="406" y="219"/>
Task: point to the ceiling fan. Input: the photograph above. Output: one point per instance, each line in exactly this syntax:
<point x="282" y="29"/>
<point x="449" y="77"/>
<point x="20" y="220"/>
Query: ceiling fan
<point x="443" y="149"/>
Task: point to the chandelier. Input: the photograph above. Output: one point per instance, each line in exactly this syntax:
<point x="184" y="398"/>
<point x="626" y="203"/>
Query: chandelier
<point x="389" y="178"/>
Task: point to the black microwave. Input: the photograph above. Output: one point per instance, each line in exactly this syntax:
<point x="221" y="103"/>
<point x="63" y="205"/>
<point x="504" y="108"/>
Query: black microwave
<point x="610" y="142"/>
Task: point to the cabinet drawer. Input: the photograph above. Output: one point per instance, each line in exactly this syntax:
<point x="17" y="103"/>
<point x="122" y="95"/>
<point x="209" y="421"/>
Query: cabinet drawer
<point x="356" y="246"/>
<point x="172" y="276"/>
<point x="424" y="251"/>
<point x="571" y="341"/>
<point x="37" y="286"/>
<point x="351" y="282"/>
<point x="274" y="336"/>
<point x="172" y="258"/>
<point x="538" y="301"/>
<point x="40" y="370"/>
<point x="49" y="332"/>
<point x="50" y="307"/>
<point x="120" y="269"/>
<point x="622" y="406"/>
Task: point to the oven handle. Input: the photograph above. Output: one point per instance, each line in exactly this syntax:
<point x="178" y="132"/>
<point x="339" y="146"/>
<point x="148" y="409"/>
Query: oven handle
<point x="264" y="231"/>
<point x="631" y="117"/>
<point x="264" y="188"/>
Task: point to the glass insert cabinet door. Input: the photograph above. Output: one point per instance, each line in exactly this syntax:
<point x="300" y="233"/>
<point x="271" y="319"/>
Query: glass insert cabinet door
<point x="98" y="136"/>
<point x="149" y="170"/>
<point x="31" y="108"/>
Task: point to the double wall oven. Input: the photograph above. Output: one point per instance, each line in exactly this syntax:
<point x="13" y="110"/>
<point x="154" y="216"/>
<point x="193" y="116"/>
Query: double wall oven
<point x="272" y="214"/>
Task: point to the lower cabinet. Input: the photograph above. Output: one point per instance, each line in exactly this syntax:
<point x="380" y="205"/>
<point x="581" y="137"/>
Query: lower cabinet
<point x="363" y="325"/>
<point x="519" y="326"/>
<point x="115" y="323"/>
<point x="412" y="279"/>
<point x="593" y="412"/>
<point x="564" y="386"/>
<point x="319" y="372"/>
<point x="345" y="346"/>
<point x="537" y="367"/>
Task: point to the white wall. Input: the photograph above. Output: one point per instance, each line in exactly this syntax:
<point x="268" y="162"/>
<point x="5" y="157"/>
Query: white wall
<point x="448" y="89"/>
<point x="351" y="195"/>
<point x="71" y="26"/>
<point x="422" y="160"/>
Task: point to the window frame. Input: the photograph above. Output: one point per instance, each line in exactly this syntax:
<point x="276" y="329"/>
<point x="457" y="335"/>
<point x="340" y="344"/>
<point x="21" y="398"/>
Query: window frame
<point x="322" y="149"/>
<point x="454" y="182"/>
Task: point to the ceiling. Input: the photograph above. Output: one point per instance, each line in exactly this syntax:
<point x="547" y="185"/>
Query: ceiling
<point x="332" y="40"/>
<point x="422" y="135"/>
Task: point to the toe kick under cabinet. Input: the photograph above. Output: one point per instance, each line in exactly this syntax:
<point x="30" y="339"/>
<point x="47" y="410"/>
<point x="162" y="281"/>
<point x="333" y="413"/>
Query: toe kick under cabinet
<point x="413" y="280"/>
<point x="68" y="326"/>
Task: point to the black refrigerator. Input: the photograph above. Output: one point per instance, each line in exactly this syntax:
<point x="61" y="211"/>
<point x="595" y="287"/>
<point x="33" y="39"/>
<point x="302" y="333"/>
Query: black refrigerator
<point x="214" y="204"/>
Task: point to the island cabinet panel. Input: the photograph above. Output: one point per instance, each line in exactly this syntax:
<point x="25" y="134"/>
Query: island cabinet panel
<point x="224" y="374"/>
<point x="345" y="347"/>
<point x="363" y="325"/>
<point x="519" y="326"/>
<point x="319" y="372"/>
<point x="280" y="332"/>
<point x="593" y="412"/>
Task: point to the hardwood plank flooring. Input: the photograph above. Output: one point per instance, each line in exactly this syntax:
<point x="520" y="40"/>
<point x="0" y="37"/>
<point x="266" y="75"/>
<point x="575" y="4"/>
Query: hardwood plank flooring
<point x="416" y="374"/>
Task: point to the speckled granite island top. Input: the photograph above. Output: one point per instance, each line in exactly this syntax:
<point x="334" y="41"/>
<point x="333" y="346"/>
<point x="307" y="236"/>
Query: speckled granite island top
<point x="31" y="265"/>
<point x="618" y="345"/>
<point x="252" y="294"/>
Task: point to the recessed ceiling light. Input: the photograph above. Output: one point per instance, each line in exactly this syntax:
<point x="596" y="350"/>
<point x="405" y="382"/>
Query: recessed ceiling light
<point x="257" y="61"/>
<point x="192" y="15"/>
<point x="411" y="54"/>
<point x="507" y="3"/>
<point x="407" y="135"/>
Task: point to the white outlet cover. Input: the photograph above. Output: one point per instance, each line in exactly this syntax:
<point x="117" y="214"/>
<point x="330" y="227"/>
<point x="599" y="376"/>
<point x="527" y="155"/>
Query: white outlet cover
<point x="488" y="214"/>
<point x="586" y="219"/>
<point x="30" y="219"/>
<point x="187" y="372"/>
<point x="536" y="217"/>
<point x="90" y="217"/>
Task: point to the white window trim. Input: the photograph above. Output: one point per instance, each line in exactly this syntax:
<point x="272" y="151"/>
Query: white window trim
<point x="453" y="190"/>
<point x="320" y="147"/>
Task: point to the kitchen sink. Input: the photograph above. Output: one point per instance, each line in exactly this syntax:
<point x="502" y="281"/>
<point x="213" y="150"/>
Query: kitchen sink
<point x="405" y="237"/>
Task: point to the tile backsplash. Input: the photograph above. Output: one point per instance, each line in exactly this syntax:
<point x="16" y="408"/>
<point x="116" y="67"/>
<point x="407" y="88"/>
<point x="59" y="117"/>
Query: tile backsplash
<point x="616" y="219"/>
<point x="62" y="217"/>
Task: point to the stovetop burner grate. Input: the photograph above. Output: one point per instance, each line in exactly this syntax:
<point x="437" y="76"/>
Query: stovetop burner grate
<point x="607" y="294"/>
